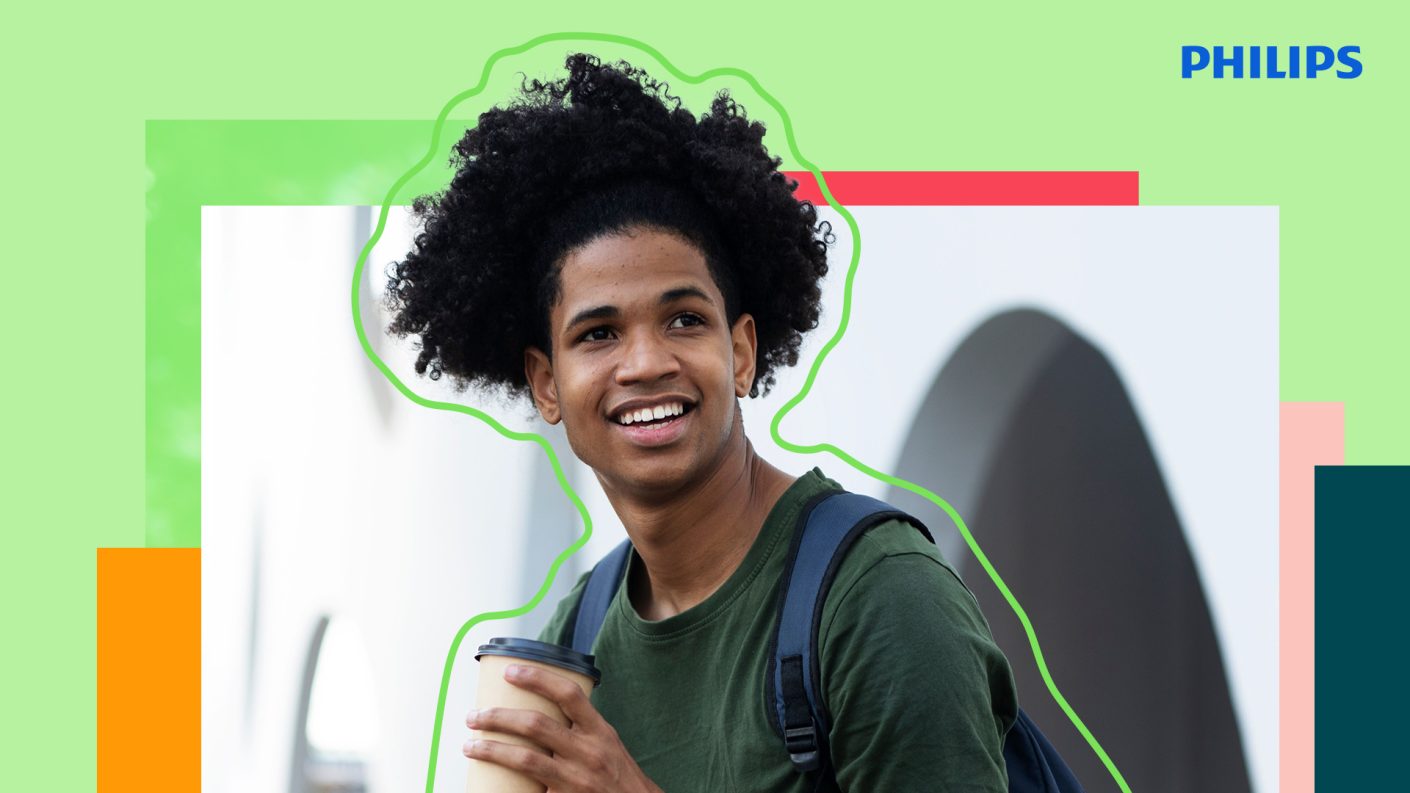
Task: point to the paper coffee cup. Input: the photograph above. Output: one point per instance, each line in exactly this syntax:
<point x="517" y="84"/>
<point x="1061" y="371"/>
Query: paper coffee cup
<point x="496" y="692"/>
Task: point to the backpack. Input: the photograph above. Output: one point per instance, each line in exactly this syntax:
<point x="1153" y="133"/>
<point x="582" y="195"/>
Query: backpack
<point x="828" y="526"/>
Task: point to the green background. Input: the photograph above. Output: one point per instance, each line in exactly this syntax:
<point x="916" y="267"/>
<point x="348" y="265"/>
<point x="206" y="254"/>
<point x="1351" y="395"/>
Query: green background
<point x="994" y="88"/>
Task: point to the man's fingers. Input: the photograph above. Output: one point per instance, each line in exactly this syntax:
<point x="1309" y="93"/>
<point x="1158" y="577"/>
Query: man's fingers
<point x="536" y="764"/>
<point x="528" y="724"/>
<point x="562" y="691"/>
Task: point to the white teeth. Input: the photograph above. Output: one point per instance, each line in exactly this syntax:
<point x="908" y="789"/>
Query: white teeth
<point x="651" y="414"/>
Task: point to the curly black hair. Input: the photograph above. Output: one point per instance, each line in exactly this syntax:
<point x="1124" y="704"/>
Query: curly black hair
<point x="603" y="150"/>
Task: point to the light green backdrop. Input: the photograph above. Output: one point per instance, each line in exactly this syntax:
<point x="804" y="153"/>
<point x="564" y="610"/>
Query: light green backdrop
<point x="991" y="87"/>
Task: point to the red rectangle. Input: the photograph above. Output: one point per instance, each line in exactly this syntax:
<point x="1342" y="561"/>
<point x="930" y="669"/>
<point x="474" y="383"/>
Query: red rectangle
<point x="973" y="188"/>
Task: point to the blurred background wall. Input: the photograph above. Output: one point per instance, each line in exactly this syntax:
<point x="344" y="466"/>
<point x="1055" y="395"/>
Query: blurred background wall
<point x="1095" y="389"/>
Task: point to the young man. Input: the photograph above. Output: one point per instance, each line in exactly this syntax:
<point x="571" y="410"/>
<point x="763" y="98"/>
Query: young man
<point x="636" y="271"/>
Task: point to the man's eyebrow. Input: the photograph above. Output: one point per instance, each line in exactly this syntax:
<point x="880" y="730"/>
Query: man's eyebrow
<point x="681" y="292"/>
<point x="597" y="312"/>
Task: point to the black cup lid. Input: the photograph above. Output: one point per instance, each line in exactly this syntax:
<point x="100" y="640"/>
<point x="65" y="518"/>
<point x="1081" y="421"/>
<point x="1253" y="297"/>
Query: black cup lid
<point x="554" y="654"/>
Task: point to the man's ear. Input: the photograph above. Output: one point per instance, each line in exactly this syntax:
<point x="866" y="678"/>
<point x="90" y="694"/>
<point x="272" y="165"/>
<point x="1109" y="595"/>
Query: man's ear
<point x="746" y="344"/>
<point x="538" y="370"/>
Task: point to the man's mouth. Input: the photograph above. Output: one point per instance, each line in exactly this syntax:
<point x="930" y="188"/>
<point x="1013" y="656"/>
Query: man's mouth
<point x="653" y="425"/>
<point x="653" y="414"/>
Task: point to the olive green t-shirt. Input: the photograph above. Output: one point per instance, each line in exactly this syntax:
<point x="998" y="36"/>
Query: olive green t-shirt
<point x="920" y="696"/>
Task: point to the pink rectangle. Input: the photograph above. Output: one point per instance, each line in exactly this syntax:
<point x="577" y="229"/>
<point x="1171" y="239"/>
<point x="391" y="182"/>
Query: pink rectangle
<point x="1311" y="434"/>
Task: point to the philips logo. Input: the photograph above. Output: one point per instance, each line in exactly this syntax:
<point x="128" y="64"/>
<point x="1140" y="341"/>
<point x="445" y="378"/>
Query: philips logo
<point x="1272" y="63"/>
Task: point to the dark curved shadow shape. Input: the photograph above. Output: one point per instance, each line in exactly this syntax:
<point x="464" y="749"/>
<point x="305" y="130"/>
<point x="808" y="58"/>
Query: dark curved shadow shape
<point x="311" y="771"/>
<point x="1029" y="434"/>
<point x="298" y="768"/>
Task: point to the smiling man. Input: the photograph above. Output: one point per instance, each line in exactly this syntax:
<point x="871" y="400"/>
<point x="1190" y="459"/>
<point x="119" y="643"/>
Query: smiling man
<point x="636" y="272"/>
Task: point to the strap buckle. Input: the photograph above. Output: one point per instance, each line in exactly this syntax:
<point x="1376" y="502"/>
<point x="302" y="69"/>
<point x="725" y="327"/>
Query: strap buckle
<point x="802" y="743"/>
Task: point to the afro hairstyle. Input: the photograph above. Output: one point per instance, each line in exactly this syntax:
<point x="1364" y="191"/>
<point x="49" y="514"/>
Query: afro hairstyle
<point x="602" y="151"/>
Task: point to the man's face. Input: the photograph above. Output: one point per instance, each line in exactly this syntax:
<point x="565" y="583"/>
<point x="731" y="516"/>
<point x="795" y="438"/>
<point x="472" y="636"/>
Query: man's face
<point x="646" y="370"/>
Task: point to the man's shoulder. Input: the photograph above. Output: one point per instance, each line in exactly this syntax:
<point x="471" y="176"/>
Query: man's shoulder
<point x="890" y="566"/>
<point x="892" y="539"/>
<point x="937" y="714"/>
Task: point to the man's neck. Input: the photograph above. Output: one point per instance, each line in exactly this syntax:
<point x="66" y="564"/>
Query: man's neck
<point x="691" y="545"/>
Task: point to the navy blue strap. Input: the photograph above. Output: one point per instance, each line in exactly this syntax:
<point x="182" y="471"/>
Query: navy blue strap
<point x="602" y="584"/>
<point x="828" y="528"/>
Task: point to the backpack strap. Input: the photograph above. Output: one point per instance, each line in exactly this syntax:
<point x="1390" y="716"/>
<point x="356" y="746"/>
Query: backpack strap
<point x="603" y="581"/>
<point x="827" y="528"/>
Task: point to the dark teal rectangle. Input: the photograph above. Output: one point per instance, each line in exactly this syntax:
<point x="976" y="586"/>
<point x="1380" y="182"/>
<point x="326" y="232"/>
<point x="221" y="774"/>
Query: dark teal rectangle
<point x="1363" y="690"/>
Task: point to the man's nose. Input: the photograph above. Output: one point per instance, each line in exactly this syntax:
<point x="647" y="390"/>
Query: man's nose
<point x="645" y="358"/>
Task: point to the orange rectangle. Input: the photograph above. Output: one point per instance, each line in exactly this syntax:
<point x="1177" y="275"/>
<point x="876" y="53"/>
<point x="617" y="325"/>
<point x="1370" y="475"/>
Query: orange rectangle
<point x="149" y="670"/>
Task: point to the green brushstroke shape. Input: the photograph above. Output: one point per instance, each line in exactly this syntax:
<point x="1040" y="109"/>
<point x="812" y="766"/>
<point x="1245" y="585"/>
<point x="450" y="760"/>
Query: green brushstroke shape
<point x="431" y="153"/>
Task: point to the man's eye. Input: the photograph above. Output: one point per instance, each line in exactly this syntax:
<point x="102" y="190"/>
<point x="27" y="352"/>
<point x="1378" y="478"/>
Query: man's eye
<point x="597" y="334"/>
<point x="687" y="321"/>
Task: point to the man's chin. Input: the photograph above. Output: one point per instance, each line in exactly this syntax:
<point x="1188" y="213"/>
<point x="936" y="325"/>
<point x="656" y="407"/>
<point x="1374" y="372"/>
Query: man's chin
<point x="651" y="482"/>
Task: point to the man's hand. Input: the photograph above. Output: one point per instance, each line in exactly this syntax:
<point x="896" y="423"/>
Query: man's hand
<point x="584" y="757"/>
